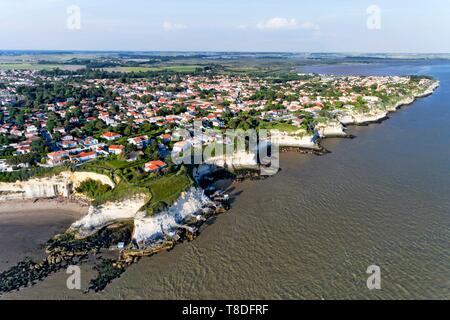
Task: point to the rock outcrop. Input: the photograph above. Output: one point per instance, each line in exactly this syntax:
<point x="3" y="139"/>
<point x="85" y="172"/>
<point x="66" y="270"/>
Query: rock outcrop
<point x="379" y="112"/>
<point x="61" y="185"/>
<point x="100" y="216"/>
<point x="234" y="161"/>
<point x="189" y="206"/>
<point x="297" y="139"/>
<point x="331" y="128"/>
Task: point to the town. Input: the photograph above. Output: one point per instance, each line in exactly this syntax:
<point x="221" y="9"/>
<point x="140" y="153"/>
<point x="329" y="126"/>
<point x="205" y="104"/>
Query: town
<point x="127" y="126"/>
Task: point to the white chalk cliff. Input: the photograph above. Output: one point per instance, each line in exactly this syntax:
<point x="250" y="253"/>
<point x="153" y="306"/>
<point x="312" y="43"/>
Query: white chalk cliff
<point x="61" y="185"/>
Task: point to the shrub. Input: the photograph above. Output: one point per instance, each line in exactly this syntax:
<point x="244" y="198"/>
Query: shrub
<point x="93" y="188"/>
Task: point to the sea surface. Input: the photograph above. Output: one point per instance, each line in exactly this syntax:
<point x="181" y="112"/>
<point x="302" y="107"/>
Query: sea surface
<point x="312" y="231"/>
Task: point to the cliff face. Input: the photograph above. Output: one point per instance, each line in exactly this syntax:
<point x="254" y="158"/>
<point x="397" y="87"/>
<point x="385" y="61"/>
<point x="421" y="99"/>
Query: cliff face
<point x="62" y="185"/>
<point x="147" y="230"/>
<point x="100" y="216"/>
<point x="380" y="113"/>
<point x="235" y="161"/>
<point x="433" y="86"/>
<point x="299" y="139"/>
<point x="331" y="128"/>
<point x="402" y="102"/>
<point x="374" y="115"/>
<point x="190" y="205"/>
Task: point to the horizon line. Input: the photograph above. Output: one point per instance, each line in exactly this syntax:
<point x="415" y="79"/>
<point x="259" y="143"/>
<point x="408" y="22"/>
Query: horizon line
<point x="223" y="51"/>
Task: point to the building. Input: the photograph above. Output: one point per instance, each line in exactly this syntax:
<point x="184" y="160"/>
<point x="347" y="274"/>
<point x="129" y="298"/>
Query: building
<point x="155" y="166"/>
<point x="116" y="149"/>
<point x="167" y="137"/>
<point x="57" y="157"/>
<point x="111" y="136"/>
<point x="140" y="142"/>
<point x="89" y="142"/>
<point x="86" y="156"/>
<point x="218" y="123"/>
<point x="67" y="144"/>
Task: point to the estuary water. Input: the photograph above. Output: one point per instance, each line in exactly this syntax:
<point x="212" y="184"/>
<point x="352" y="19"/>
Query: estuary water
<point x="312" y="231"/>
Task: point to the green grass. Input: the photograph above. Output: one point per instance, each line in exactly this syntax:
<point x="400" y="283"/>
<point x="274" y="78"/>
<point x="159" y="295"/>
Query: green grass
<point x="121" y="192"/>
<point x="112" y="164"/>
<point x="162" y="191"/>
<point x="175" y="68"/>
<point x="166" y="190"/>
<point x="93" y="188"/>
<point x="281" y="126"/>
<point x="36" y="66"/>
<point x="242" y="69"/>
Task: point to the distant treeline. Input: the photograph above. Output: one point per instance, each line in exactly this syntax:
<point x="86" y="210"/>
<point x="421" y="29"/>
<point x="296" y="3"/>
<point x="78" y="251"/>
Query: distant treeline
<point x="56" y="92"/>
<point x="90" y="73"/>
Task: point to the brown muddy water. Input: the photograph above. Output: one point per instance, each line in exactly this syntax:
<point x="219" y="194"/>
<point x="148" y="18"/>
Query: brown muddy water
<point x="312" y="231"/>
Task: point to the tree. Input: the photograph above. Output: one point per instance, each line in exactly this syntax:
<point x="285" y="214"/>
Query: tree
<point x="56" y="136"/>
<point x="3" y="140"/>
<point x="51" y="124"/>
<point x="38" y="146"/>
<point x="127" y="131"/>
<point x="23" y="158"/>
<point x="152" y="151"/>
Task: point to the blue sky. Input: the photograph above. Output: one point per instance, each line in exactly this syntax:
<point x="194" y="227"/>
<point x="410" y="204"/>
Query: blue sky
<point x="231" y="25"/>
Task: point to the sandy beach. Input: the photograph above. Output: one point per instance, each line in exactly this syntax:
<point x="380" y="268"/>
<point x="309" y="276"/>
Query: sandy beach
<point x="26" y="225"/>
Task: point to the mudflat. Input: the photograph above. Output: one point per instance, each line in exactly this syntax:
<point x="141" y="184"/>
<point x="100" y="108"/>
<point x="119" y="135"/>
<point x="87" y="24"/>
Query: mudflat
<point x="25" y="226"/>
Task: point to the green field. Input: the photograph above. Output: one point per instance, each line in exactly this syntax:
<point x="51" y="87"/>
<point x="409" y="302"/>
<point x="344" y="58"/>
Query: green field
<point x="166" y="190"/>
<point x="36" y="66"/>
<point x="179" y="68"/>
<point x="285" y="127"/>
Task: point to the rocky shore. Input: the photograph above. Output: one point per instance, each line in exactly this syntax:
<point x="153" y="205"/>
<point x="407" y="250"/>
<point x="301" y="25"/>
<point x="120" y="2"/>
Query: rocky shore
<point x="131" y="238"/>
<point x="379" y="113"/>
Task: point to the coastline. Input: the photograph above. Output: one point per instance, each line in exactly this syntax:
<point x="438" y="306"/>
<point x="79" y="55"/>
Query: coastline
<point x="75" y="208"/>
<point x="27" y="225"/>
<point x="183" y="233"/>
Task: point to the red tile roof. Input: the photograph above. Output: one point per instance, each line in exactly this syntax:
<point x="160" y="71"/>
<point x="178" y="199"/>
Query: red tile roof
<point x="86" y="154"/>
<point x="117" y="147"/>
<point x="110" y="134"/>
<point x="155" y="165"/>
<point x="57" y="154"/>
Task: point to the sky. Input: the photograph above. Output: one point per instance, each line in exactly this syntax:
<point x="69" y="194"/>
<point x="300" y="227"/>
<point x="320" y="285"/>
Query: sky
<point x="233" y="25"/>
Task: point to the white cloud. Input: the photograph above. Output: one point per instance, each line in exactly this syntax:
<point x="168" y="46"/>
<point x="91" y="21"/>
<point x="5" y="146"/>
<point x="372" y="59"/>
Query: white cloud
<point x="278" y="23"/>
<point x="169" y="26"/>
<point x="242" y="26"/>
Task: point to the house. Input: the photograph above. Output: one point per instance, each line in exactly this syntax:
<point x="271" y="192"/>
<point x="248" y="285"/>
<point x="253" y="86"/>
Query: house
<point x="31" y="129"/>
<point x="140" y="142"/>
<point x="16" y="132"/>
<point x="111" y="136"/>
<point x="23" y="149"/>
<point x="67" y="144"/>
<point x="167" y="137"/>
<point x="86" y="156"/>
<point x="57" y="157"/>
<point x="116" y="149"/>
<point x="67" y="138"/>
<point x="154" y="166"/>
<point x="218" y="123"/>
<point x="89" y="142"/>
